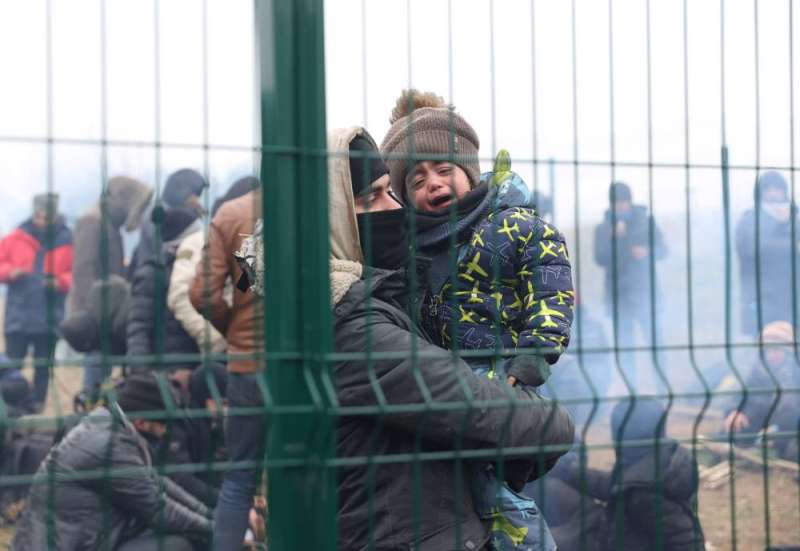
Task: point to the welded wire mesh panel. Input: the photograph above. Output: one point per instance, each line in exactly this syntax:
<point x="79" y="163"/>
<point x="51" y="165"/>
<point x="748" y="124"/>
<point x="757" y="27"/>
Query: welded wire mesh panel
<point x="641" y="130"/>
<point x="399" y="275"/>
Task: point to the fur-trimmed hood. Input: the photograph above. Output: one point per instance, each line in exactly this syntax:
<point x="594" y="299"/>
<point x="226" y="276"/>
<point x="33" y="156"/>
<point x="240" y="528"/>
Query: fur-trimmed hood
<point x="345" y="244"/>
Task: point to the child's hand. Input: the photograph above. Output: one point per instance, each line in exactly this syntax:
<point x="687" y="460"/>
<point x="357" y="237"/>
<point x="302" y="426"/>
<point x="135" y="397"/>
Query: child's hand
<point x="511" y="380"/>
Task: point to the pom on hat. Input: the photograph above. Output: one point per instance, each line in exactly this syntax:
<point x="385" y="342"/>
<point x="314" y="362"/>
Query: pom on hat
<point x="411" y="100"/>
<point x="424" y="125"/>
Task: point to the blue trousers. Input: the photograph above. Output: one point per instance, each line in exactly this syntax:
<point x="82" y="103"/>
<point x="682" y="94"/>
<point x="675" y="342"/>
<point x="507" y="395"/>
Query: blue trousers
<point x="244" y="437"/>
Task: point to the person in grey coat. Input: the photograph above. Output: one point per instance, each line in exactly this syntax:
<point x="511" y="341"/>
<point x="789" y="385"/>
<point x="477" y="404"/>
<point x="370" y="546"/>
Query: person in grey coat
<point x="75" y="505"/>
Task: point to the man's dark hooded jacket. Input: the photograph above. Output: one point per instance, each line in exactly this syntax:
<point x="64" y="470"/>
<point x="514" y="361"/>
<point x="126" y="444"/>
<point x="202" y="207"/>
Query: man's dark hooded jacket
<point x="101" y="512"/>
<point x="766" y="254"/>
<point x="649" y="493"/>
<point x="179" y="187"/>
<point x="632" y="274"/>
<point x="404" y="504"/>
<point x="152" y="328"/>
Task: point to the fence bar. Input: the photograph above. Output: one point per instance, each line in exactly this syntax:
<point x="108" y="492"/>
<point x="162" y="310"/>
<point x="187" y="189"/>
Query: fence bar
<point x="294" y="200"/>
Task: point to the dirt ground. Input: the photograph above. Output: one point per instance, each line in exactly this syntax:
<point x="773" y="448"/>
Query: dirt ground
<point x="715" y="504"/>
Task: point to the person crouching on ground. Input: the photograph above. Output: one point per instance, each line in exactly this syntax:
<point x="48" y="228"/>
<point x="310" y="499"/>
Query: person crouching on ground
<point x="128" y="508"/>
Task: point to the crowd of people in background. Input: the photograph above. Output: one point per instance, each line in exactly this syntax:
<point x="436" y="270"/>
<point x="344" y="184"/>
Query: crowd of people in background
<point x="182" y="316"/>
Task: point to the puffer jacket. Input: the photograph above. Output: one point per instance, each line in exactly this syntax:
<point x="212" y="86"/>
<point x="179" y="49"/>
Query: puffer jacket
<point x="152" y="328"/>
<point x="656" y="503"/>
<point x="587" y="505"/>
<point x="101" y="511"/>
<point x="425" y="502"/>
<point x="42" y="253"/>
<point x="513" y="285"/>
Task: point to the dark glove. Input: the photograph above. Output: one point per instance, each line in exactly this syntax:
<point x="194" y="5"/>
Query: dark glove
<point x="530" y="370"/>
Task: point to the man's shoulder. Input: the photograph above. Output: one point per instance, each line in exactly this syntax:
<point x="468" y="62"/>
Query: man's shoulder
<point x="247" y="205"/>
<point x="17" y="235"/>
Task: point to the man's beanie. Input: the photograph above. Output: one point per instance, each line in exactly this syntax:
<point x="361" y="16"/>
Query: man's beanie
<point x="366" y="164"/>
<point x="46" y="203"/>
<point x="140" y="392"/>
<point x="619" y="191"/>
<point x="181" y="185"/>
<point x="778" y="332"/>
<point x="641" y="418"/>
<point x="423" y="125"/>
<point x="772" y="179"/>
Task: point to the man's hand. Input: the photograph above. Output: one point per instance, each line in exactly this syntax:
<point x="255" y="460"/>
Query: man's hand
<point x="736" y="421"/>
<point x="621" y="228"/>
<point x="17" y="273"/>
<point x="639" y="252"/>
<point x="257" y="525"/>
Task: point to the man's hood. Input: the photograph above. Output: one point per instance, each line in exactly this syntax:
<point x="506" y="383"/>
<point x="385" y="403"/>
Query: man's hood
<point x="512" y="191"/>
<point x="345" y="243"/>
<point x="130" y="195"/>
<point x="177" y="223"/>
<point x="344" y="238"/>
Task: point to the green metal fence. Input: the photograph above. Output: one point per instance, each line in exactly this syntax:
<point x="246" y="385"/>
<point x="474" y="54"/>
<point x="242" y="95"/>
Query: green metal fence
<point x="693" y="355"/>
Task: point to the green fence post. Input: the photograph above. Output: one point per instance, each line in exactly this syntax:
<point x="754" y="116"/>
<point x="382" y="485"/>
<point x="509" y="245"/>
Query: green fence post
<point x="301" y="486"/>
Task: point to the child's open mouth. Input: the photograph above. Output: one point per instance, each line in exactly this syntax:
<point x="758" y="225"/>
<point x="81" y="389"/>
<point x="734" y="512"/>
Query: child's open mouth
<point x="442" y="201"/>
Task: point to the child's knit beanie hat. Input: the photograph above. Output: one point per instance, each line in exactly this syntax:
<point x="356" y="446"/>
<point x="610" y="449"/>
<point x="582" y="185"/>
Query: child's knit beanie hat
<point x="423" y="125"/>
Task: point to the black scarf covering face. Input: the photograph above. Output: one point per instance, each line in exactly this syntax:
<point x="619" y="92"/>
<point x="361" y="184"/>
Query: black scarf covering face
<point x="388" y="238"/>
<point x="434" y="229"/>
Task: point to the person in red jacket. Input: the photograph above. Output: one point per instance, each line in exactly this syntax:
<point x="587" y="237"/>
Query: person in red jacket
<point x="36" y="264"/>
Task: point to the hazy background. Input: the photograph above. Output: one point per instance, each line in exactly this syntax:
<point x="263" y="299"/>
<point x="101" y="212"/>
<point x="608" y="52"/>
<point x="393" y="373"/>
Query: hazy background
<point x="168" y="74"/>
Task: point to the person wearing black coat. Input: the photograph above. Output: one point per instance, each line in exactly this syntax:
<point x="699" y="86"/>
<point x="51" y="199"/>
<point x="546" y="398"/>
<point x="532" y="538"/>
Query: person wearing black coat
<point x="424" y="505"/>
<point x="624" y="248"/>
<point x="646" y="502"/>
<point x="766" y="253"/>
<point x="183" y="189"/>
<point x="176" y="439"/>
<point x="152" y="328"/>
<point x="128" y="508"/>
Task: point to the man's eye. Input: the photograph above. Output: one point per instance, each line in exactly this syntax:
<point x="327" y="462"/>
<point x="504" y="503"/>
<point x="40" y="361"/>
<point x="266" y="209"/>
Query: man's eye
<point x="418" y="183"/>
<point x="447" y="169"/>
